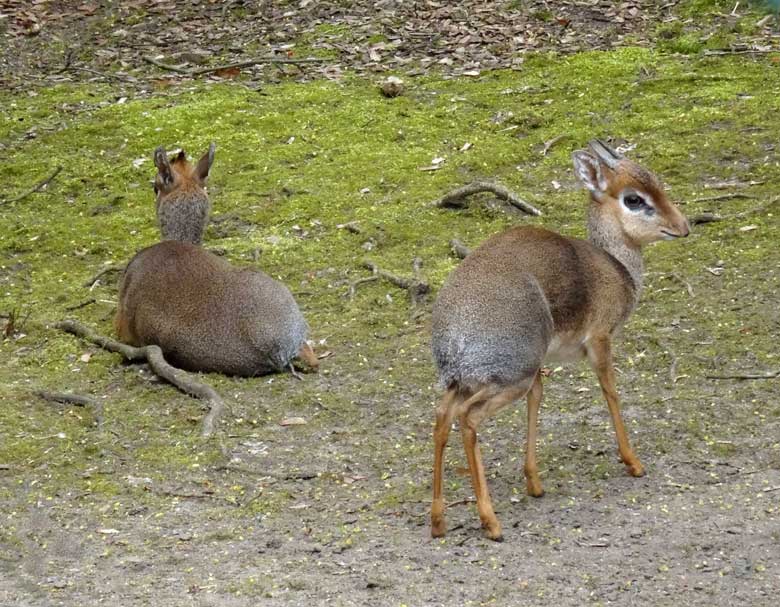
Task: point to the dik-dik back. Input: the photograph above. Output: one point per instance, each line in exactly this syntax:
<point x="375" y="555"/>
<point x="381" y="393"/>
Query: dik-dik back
<point x="183" y="206"/>
<point x="207" y="315"/>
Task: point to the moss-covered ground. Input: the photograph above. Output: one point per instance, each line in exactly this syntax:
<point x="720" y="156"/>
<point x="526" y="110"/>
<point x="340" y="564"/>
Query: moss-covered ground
<point x="130" y="503"/>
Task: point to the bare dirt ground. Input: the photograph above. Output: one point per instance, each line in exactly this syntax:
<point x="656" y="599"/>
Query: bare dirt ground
<point x="335" y="511"/>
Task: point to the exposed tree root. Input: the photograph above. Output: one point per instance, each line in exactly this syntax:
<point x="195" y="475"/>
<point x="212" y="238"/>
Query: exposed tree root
<point x="154" y="356"/>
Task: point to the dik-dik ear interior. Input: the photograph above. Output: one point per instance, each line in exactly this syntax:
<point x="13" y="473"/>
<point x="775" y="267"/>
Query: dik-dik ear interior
<point x="164" y="171"/>
<point x="589" y="171"/>
<point x="204" y="164"/>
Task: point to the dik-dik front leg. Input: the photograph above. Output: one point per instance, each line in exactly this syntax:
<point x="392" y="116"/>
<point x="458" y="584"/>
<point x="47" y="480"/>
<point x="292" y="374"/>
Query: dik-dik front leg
<point x="600" y="355"/>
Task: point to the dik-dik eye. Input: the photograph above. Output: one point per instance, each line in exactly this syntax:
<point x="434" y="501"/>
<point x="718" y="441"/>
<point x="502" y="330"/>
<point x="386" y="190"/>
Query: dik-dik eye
<point x="156" y="189"/>
<point x="634" y="202"/>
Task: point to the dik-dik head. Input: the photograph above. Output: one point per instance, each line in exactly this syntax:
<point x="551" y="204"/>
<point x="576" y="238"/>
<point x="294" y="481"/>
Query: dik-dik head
<point x="183" y="206"/>
<point x="629" y="195"/>
<point x="180" y="174"/>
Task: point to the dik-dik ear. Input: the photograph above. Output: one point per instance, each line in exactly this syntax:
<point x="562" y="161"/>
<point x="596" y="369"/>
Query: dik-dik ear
<point x="164" y="171"/>
<point x="589" y="171"/>
<point x="204" y="164"/>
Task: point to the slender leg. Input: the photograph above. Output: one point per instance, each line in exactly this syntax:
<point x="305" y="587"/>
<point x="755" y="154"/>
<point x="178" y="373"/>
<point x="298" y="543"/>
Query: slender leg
<point x="600" y="355"/>
<point x="444" y="414"/>
<point x="470" y="420"/>
<point x="532" y="482"/>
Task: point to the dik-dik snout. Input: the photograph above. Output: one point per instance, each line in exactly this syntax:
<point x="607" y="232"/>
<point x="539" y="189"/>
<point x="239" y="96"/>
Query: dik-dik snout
<point x="182" y="203"/>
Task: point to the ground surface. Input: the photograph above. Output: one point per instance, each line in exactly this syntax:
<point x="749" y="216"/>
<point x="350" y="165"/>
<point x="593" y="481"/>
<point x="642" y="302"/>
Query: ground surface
<point x="128" y="506"/>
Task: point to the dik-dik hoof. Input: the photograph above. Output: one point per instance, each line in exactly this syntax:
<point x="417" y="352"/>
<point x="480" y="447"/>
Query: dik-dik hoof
<point x="493" y="531"/>
<point x="635" y="469"/>
<point x="438" y="527"/>
<point x="534" y="488"/>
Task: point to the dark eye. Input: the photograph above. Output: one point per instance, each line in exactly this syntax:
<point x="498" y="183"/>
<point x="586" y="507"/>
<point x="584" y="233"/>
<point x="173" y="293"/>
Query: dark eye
<point x="634" y="202"/>
<point x="156" y="190"/>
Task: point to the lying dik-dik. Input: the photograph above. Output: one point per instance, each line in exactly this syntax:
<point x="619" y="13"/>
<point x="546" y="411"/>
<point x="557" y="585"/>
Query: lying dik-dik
<point x="528" y="295"/>
<point x="183" y="206"/>
<point x="205" y="314"/>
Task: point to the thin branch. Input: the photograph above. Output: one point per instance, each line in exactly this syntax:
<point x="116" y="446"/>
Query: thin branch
<point x="354" y="285"/>
<point x="91" y="282"/>
<point x="36" y="188"/>
<point x="455" y="198"/>
<point x="165" y="66"/>
<point x="68" y="398"/>
<point x="710" y="217"/>
<point x="83" y="304"/>
<point x="251" y="62"/>
<point x="549" y="144"/>
<point x="416" y="288"/>
<point x="770" y="375"/>
<point x="461" y="250"/>
<point x="154" y="356"/>
<point x="728" y="196"/>
<point x="246" y="63"/>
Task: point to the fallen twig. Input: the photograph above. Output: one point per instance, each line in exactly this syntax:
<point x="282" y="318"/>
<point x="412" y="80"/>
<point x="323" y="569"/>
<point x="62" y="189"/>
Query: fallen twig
<point x="171" y="68"/>
<point x="68" y="398"/>
<point x="251" y="62"/>
<point x="728" y="196"/>
<point x="416" y="288"/>
<point x="154" y="356"/>
<point x="461" y="250"/>
<point x="108" y="269"/>
<point x="36" y="188"/>
<point x="350" y="226"/>
<point x="354" y="285"/>
<point x="548" y="144"/>
<point x="770" y="375"/>
<point x="80" y="400"/>
<point x="710" y="217"/>
<point x="713" y="52"/>
<point x="83" y="304"/>
<point x="455" y="198"/>
<point x="236" y="64"/>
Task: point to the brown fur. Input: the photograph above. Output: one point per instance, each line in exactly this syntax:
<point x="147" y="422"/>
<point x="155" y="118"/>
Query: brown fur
<point x="528" y="294"/>
<point x="207" y="315"/>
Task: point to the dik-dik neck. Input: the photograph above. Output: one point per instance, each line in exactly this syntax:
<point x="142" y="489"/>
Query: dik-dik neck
<point x="605" y="233"/>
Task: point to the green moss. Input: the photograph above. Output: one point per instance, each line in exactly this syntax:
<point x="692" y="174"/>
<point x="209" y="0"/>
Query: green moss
<point x="294" y="164"/>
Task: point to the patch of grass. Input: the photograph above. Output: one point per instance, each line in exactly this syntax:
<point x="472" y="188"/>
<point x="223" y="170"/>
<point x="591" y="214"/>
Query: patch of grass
<point x="294" y="164"/>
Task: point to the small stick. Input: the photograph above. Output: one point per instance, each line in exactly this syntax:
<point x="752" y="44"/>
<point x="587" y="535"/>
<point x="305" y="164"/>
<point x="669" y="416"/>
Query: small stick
<point x="154" y="356"/>
<point x="91" y="282"/>
<point x="416" y="288"/>
<point x="251" y="62"/>
<point x="79" y="400"/>
<point x="351" y="226"/>
<point x="455" y="198"/>
<point x="720" y="197"/>
<point x="552" y="142"/>
<point x="83" y="304"/>
<point x="68" y="398"/>
<point x="37" y="187"/>
<point x="683" y="282"/>
<point x="770" y="375"/>
<point x="709" y="217"/>
<point x="354" y="285"/>
<point x="461" y="250"/>
<point x="165" y="66"/>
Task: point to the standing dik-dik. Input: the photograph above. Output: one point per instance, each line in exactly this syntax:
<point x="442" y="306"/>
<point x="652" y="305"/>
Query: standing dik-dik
<point x="528" y="295"/>
<point x="183" y="206"/>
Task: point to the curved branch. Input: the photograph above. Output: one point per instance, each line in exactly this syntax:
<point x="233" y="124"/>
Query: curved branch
<point x="455" y="198"/>
<point x="154" y="356"/>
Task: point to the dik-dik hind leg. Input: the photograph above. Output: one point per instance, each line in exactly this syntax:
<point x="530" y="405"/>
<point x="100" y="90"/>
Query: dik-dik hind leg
<point x="469" y="422"/>
<point x="444" y="414"/>
<point x="600" y="356"/>
<point x="532" y="482"/>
